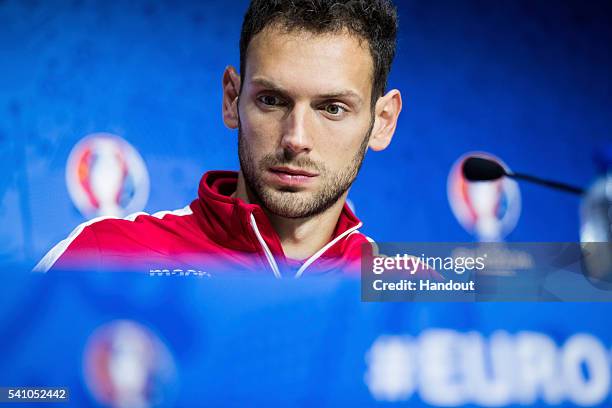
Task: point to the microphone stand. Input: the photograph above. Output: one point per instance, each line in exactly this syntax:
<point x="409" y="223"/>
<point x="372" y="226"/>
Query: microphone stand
<point x="549" y="183"/>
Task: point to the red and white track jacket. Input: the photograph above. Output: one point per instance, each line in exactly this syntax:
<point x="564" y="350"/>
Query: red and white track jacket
<point x="215" y="233"/>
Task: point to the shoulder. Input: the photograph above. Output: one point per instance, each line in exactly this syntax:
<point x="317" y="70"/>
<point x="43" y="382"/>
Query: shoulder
<point x="142" y="225"/>
<point x="91" y="238"/>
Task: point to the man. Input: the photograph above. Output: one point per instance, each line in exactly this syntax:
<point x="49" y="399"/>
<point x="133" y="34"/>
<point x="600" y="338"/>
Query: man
<point x="308" y="102"/>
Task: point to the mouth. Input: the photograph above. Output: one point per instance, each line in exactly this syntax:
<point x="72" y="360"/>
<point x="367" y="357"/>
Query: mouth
<point x="292" y="172"/>
<point x="288" y="177"/>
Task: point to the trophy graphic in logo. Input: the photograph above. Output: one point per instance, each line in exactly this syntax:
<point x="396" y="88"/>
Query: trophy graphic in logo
<point x="489" y="210"/>
<point x="106" y="176"/>
<point x="126" y="365"/>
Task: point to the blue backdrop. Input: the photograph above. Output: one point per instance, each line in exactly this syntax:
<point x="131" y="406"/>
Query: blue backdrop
<point x="526" y="80"/>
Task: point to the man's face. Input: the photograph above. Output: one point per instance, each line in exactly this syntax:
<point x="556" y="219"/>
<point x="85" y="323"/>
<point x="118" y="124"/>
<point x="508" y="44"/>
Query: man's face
<point x="305" y="118"/>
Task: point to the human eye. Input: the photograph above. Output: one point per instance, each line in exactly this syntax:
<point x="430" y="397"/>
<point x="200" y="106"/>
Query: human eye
<point x="270" y="100"/>
<point x="335" y="109"/>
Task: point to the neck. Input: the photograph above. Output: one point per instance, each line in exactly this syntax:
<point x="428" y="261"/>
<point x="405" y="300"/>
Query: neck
<point x="299" y="237"/>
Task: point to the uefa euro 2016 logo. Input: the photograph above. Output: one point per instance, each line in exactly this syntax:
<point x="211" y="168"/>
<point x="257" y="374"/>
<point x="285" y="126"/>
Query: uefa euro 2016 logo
<point x="106" y="176"/>
<point x="126" y="365"/>
<point x="489" y="209"/>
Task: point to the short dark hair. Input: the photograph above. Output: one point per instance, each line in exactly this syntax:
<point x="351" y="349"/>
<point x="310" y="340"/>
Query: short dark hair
<point x="372" y="20"/>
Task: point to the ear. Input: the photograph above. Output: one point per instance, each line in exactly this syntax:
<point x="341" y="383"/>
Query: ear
<point x="386" y="112"/>
<point x="231" y="91"/>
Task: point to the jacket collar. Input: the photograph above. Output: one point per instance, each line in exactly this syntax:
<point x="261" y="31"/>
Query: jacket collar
<point x="234" y="224"/>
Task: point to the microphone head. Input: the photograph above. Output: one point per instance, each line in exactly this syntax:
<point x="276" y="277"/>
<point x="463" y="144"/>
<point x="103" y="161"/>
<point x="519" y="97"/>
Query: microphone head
<point x="481" y="169"/>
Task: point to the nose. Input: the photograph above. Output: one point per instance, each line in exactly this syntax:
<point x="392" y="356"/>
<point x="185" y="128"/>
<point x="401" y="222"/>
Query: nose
<point x="296" y="137"/>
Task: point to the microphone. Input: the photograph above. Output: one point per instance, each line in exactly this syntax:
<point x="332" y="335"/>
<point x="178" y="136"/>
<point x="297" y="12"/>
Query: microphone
<point x="481" y="169"/>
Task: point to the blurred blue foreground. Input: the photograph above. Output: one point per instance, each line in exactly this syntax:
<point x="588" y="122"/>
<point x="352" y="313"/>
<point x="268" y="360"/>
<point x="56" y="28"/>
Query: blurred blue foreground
<point x="137" y="340"/>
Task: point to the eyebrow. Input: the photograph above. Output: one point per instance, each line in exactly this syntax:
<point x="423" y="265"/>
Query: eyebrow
<point x="266" y="83"/>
